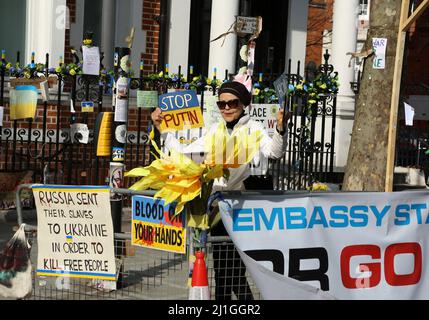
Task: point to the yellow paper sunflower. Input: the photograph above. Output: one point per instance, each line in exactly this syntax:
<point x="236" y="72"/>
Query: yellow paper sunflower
<point x="181" y="180"/>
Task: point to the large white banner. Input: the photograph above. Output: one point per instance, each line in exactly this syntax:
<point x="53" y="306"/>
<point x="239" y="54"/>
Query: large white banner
<point x="333" y="246"/>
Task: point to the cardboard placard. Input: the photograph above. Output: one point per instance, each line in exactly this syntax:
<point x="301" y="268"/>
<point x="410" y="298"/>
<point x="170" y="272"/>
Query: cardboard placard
<point x="181" y="110"/>
<point x="154" y="227"/>
<point x="147" y="99"/>
<point x="75" y="232"/>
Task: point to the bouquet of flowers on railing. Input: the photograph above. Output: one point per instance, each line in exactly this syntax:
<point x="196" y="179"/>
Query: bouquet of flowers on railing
<point x="200" y="82"/>
<point x="322" y="86"/>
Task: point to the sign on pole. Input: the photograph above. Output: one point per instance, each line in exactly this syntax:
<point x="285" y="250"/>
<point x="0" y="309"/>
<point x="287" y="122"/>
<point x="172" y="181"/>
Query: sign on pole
<point x="380" y="48"/>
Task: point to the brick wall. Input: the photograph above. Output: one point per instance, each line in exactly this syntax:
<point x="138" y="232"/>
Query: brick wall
<point x="151" y="9"/>
<point x="71" y="4"/>
<point x="319" y="20"/>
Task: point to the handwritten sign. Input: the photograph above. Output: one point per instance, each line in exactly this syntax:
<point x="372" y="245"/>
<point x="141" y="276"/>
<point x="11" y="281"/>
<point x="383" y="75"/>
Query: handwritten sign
<point x="75" y="232"/>
<point x="181" y="110"/>
<point x="147" y="99"/>
<point x="247" y="25"/>
<point x="380" y="47"/>
<point x="91" y="60"/>
<point x="153" y="225"/>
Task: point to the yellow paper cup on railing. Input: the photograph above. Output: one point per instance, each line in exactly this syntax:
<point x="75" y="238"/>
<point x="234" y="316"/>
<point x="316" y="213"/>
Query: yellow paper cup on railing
<point x="23" y="102"/>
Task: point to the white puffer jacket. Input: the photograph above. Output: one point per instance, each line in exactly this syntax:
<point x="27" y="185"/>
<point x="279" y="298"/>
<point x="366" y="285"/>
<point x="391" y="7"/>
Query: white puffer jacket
<point x="271" y="148"/>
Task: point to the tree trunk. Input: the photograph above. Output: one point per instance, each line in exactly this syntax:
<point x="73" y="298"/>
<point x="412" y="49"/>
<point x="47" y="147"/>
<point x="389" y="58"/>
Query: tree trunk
<point x="367" y="159"/>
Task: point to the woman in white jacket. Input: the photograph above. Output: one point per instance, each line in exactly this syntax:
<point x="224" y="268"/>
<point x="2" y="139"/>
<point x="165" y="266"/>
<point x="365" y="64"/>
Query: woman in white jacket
<point x="233" y="100"/>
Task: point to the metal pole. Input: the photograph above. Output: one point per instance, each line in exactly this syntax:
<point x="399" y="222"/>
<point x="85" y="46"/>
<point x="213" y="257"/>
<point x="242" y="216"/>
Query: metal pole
<point x="119" y="136"/>
<point x="2" y="76"/>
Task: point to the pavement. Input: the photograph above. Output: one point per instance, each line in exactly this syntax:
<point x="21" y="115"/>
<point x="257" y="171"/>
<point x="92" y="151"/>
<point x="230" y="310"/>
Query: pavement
<point x="147" y="274"/>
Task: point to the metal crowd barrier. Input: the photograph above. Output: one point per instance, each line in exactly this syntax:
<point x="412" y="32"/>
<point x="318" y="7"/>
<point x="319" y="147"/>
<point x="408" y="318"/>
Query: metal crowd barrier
<point x="145" y="274"/>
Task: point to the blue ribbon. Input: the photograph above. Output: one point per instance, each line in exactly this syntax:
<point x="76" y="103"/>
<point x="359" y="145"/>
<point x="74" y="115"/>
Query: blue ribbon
<point x="215" y="196"/>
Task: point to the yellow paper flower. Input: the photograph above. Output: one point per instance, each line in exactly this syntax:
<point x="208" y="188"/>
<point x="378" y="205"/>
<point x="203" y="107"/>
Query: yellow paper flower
<point x="232" y="151"/>
<point x="318" y="186"/>
<point x="256" y="92"/>
<point x="181" y="180"/>
<point x="177" y="177"/>
<point x="72" y="72"/>
<point x="58" y="69"/>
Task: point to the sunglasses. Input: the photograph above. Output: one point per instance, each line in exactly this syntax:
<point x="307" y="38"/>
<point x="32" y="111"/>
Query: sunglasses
<point x="233" y="104"/>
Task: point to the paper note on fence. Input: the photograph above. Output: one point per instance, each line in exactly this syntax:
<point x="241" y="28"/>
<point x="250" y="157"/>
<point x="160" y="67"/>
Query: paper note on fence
<point x="75" y="232"/>
<point x="44" y="90"/>
<point x="211" y="111"/>
<point x="181" y="110"/>
<point x="409" y="114"/>
<point x="154" y="227"/>
<point x="147" y="99"/>
<point x="1" y="116"/>
<point x="380" y="47"/>
<point x="91" y="60"/>
<point x="23" y="102"/>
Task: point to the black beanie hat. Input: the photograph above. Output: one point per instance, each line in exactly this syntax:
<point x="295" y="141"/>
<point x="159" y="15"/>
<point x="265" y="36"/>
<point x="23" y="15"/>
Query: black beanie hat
<point x="239" y="90"/>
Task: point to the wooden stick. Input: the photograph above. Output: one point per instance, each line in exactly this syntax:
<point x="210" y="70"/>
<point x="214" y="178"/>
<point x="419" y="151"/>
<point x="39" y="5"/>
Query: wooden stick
<point x="405" y="26"/>
<point x="391" y="145"/>
<point x="130" y="38"/>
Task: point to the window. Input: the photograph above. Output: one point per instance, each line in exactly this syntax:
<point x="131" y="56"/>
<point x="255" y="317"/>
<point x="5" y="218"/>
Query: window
<point x="364" y="9"/>
<point x="13" y="18"/>
<point x="199" y="42"/>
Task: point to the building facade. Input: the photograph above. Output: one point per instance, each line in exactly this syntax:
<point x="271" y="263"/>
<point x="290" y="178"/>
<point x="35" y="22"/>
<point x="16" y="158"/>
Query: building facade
<point x="179" y="33"/>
